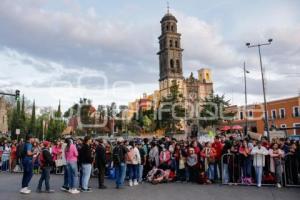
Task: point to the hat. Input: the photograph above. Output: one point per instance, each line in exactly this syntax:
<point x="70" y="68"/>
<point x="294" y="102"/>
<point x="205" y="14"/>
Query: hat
<point x="46" y="143"/>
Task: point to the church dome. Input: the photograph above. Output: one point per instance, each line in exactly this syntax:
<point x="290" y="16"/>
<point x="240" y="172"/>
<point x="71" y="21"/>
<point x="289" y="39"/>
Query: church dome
<point x="168" y="17"/>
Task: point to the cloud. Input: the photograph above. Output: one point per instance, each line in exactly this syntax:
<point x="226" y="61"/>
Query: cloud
<point x="43" y="48"/>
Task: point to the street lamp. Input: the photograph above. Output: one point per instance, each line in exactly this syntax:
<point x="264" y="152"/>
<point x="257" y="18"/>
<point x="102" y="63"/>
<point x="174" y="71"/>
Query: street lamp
<point x="263" y="81"/>
<point x="246" y="110"/>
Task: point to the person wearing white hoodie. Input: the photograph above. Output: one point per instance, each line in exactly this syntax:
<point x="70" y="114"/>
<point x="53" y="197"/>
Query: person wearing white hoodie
<point x="259" y="152"/>
<point x="133" y="162"/>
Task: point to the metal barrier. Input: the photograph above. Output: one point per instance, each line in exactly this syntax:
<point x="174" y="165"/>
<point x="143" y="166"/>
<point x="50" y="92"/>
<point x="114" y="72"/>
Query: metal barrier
<point x="292" y="170"/>
<point x="234" y="170"/>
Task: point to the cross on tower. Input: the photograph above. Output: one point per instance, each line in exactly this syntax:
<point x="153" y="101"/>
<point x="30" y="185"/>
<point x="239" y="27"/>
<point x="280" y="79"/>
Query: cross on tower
<point x="168" y="7"/>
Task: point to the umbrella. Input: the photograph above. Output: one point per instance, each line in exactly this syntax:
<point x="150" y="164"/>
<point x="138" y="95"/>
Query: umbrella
<point x="237" y="127"/>
<point x="225" y="128"/>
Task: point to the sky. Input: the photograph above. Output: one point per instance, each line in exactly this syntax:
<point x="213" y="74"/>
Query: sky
<point x="105" y="50"/>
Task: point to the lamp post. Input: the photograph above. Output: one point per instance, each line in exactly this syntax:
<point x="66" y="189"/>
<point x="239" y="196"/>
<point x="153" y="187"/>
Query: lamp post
<point x="263" y="81"/>
<point x="246" y="110"/>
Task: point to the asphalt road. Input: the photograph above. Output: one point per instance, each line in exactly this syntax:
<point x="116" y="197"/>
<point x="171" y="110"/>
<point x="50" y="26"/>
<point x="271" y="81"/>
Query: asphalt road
<point x="10" y="185"/>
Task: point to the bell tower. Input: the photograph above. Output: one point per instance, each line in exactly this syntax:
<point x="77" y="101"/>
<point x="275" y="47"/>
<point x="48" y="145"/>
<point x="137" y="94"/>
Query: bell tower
<point x="170" y="54"/>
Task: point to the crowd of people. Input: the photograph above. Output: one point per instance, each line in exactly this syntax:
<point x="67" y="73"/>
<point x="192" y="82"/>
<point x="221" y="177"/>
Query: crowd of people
<point x="226" y="159"/>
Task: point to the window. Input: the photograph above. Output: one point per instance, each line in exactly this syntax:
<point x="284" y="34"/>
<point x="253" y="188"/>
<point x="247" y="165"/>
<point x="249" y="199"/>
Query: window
<point x="177" y="64"/>
<point x="172" y="28"/>
<point x="281" y="113"/>
<point x="241" y="115"/>
<point x="250" y="113"/>
<point x="296" y="111"/>
<point x="167" y="27"/>
<point x="207" y="76"/>
<point x="296" y="131"/>
<point x="172" y="63"/>
<point x="273" y="114"/>
<point x="171" y="43"/>
<point x="282" y="125"/>
<point x="176" y="44"/>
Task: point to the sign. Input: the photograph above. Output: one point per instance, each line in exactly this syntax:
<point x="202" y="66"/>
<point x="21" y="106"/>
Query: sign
<point x="17" y="131"/>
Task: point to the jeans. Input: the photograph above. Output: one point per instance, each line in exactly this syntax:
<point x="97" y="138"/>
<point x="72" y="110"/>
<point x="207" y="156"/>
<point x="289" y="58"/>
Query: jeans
<point x="133" y="171"/>
<point x="211" y="171"/>
<point x="72" y="174"/>
<point x="28" y="172"/>
<point x="278" y="171"/>
<point x="5" y="165"/>
<point x="140" y="174"/>
<point x="247" y="167"/>
<point x="225" y="173"/>
<point x="86" y="174"/>
<point x="217" y="170"/>
<point x="45" y="176"/>
<point x="258" y="173"/>
<point x="120" y="174"/>
<point x="66" y="177"/>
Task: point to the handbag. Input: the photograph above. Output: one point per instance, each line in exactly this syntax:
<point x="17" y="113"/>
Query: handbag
<point x="60" y="162"/>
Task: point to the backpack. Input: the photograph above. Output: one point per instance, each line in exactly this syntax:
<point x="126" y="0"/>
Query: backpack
<point x="41" y="159"/>
<point x="23" y="150"/>
<point x="117" y="157"/>
<point x="20" y="151"/>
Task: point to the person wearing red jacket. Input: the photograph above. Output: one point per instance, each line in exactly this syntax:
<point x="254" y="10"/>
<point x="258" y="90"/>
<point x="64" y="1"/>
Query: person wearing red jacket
<point x="218" y="146"/>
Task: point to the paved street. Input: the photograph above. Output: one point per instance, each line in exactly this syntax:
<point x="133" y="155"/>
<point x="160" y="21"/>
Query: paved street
<point x="9" y="186"/>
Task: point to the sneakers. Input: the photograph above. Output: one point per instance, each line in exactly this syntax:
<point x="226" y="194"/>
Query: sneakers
<point x="259" y="185"/>
<point x="74" y="191"/>
<point x="278" y="185"/>
<point x="64" y="188"/>
<point x="86" y="190"/>
<point x="135" y="182"/>
<point x="130" y="183"/>
<point x="25" y="190"/>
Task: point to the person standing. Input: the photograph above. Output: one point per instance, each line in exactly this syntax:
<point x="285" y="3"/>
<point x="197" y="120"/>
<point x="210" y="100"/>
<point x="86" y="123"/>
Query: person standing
<point x="276" y="163"/>
<point x="119" y="153"/>
<point x="259" y="152"/>
<point x="86" y="160"/>
<point x="13" y="157"/>
<point x="46" y="162"/>
<point x="143" y="161"/>
<point x="133" y="161"/>
<point x="27" y="154"/>
<point x="101" y="163"/>
<point x="71" y="154"/>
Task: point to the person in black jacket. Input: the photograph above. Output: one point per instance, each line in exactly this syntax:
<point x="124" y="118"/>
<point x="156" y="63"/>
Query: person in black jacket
<point x="45" y="160"/>
<point x="100" y="163"/>
<point x="86" y="160"/>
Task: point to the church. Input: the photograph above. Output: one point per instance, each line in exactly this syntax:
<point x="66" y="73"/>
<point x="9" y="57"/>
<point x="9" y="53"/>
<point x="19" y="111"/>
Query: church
<point x="193" y="89"/>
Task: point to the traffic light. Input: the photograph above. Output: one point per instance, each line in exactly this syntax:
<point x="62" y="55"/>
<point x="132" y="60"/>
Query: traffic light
<point x="17" y="96"/>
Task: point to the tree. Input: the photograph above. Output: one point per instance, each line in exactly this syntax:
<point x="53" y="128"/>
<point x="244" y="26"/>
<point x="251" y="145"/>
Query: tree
<point x="32" y="126"/>
<point x="212" y="112"/>
<point x="173" y="102"/>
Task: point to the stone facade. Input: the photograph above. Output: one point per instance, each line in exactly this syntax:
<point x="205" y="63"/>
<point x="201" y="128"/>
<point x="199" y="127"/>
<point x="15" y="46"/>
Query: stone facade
<point x="170" y="65"/>
<point x="3" y="116"/>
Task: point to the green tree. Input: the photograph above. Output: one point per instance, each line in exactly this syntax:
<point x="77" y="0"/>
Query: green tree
<point x="212" y="112"/>
<point x="174" y="102"/>
<point x="32" y="126"/>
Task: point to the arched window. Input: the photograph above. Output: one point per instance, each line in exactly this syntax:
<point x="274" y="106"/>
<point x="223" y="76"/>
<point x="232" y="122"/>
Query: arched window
<point x="172" y="28"/>
<point x="171" y="43"/>
<point x="167" y="27"/>
<point x="176" y="44"/>
<point x="178" y="64"/>
<point x="207" y="76"/>
<point x="172" y="63"/>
